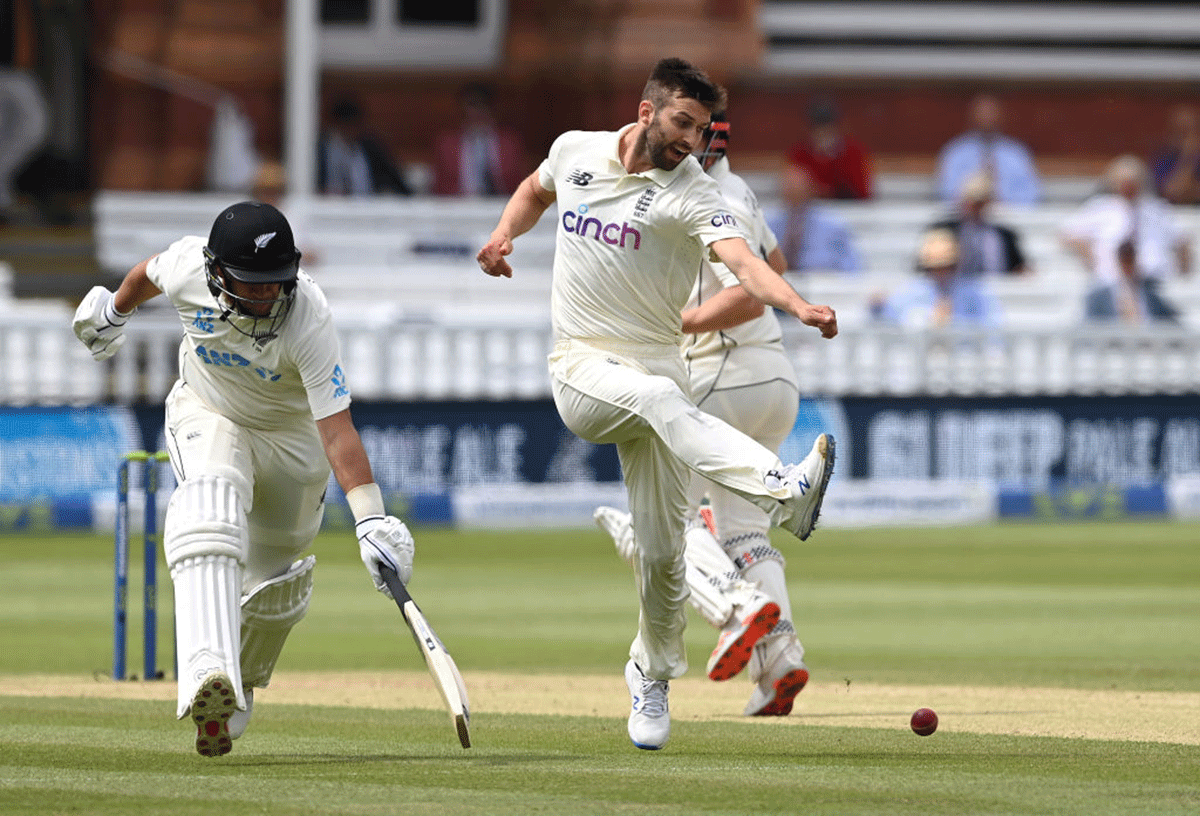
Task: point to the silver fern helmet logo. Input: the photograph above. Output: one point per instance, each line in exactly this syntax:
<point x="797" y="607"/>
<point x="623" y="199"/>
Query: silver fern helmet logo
<point x="261" y="241"/>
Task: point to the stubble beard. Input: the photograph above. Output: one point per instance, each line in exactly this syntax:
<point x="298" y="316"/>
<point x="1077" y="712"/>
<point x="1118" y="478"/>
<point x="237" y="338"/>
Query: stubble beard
<point x="657" y="146"/>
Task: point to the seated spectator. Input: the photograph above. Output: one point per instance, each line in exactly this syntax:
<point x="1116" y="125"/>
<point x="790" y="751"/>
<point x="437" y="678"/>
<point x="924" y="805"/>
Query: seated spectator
<point x="1129" y="299"/>
<point x="985" y="247"/>
<point x="1126" y="212"/>
<point x="837" y="162"/>
<point x="481" y="157"/>
<point x="350" y="159"/>
<point x="1176" y="166"/>
<point x="940" y="296"/>
<point x="984" y="147"/>
<point x="811" y="237"/>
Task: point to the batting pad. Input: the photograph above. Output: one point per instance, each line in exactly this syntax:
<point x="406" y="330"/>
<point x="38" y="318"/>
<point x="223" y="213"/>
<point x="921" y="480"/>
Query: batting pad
<point x="205" y="517"/>
<point x="269" y="611"/>
<point x="208" y="590"/>
<point x="709" y="571"/>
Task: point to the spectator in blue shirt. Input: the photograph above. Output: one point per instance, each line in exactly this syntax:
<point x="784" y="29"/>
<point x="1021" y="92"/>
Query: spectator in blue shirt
<point x="941" y="296"/>
<point x="984" y="147"/>
<point x="811" y="237"/>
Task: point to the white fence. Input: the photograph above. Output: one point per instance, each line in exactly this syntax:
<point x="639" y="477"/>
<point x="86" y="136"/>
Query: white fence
<point x="503" y="357"/>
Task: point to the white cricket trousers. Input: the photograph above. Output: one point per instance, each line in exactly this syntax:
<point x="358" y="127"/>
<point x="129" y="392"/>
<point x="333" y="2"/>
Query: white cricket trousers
<point x="636" y="397"/>
<point x="754" y="389"/>
<point x="280" y="476"/>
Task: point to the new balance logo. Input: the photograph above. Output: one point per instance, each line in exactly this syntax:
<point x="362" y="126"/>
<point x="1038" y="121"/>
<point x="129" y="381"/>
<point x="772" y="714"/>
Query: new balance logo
<point x="579" y="177"/>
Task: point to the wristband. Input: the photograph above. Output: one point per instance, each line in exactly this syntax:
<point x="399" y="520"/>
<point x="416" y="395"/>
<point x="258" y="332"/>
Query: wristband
<point x="366" y="501"/>
<point x="111" y="306"/>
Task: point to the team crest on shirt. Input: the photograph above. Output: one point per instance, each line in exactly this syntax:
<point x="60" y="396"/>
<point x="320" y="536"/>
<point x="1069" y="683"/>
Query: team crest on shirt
<point x="642" y="206"/>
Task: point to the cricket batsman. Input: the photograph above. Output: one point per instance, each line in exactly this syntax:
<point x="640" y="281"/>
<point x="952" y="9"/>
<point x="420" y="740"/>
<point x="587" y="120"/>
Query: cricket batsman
<point x="258" y="418"/>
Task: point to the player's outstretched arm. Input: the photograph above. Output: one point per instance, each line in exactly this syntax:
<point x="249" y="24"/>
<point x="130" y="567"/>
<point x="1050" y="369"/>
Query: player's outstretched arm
<point x="730" y="307"/>
<point x="520" y="214"/>
<point x="764" y="283"/>
<point x="383" y="540"/>
<point x="101" y="317"/>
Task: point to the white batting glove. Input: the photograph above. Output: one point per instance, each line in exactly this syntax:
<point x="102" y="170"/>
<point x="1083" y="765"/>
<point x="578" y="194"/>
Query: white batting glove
<point x="98" y="323"/>
<point x="385" y="540"/>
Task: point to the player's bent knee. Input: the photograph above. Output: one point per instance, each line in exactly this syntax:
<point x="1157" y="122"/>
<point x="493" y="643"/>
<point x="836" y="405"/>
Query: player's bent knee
<point x="205" y="517"/>
<point x="283" y="600"/>
<point x="269" y="611"/>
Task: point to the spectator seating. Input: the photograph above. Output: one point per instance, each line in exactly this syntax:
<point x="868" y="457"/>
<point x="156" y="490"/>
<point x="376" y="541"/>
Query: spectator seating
<point x="414" y="258"/>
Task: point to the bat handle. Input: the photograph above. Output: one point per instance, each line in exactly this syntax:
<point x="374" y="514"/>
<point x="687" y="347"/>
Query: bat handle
<point x="399" y="593"/>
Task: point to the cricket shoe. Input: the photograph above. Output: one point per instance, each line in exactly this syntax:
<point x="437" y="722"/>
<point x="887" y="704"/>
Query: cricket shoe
<point x="240" y="718"/>
<point x="212" y="706"/>
<point x="619" y="525"/>
<point x="783" y="679"/>
<point x="749" y="622"/>
<point x="807" y="482"/>
<point x="650" y="718"/>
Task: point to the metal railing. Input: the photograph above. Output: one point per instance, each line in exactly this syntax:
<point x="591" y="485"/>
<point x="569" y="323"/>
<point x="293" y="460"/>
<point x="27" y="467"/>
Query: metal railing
<point x="469" y="357"/>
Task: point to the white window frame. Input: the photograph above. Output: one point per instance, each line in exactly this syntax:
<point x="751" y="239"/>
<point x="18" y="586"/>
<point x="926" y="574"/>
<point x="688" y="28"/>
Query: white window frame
<point x="385" y="42"/>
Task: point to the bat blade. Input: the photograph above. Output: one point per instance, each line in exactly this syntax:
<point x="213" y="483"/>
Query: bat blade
<point x="442" y="667"/>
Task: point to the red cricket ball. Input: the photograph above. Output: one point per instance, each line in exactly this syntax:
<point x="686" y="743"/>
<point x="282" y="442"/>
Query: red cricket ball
<point x="924" y="721"/>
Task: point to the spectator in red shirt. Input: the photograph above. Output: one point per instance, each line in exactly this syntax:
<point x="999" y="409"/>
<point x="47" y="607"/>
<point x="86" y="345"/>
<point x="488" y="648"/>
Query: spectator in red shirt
<point x="837" y="162"/>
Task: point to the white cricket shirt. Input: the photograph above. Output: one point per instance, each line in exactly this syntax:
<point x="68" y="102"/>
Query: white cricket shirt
<point x="294" y="376"/>
<point x="628" y="246"/>
<point x="715" y="276"/>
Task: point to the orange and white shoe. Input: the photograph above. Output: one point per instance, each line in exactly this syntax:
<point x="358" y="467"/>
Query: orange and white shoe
<point x="212" y="706"/>
<point x="784" y="678"/>
<point x="750" y="621"/>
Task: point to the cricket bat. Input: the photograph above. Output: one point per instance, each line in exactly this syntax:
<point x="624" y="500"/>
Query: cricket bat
<point x="441" y="665"/>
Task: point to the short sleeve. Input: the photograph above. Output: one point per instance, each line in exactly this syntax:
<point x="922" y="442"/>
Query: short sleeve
<point x="171" y="267"/>
<point x="548" y="165"/>
<point x="707" y="216"/>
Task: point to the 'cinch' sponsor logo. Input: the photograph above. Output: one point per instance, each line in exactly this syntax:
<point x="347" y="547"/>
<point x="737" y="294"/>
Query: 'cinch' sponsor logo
<point x="586" y="226"/>
<point x="723" y="219"/>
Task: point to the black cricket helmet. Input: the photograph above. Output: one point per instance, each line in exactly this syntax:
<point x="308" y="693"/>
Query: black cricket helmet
<point x="252" y="243"/>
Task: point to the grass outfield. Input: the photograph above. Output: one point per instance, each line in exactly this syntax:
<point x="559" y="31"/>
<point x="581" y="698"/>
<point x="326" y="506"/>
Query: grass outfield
<point x="1105" y="613"/>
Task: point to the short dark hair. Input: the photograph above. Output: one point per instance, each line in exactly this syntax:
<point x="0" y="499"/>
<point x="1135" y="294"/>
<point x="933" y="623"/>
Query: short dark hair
<point x="677" y="77"/>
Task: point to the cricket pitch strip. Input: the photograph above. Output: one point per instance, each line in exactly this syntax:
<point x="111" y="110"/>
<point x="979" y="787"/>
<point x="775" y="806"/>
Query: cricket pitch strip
<point x="1104" y="714"/>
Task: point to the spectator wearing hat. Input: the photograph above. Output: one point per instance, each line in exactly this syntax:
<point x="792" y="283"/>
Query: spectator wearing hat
<point x="984" y="147"/>
<point x="838" y="163"/>
<point x="351" y="161"/>
<point x="985" y="247"/>
<point x="941" y="296"/>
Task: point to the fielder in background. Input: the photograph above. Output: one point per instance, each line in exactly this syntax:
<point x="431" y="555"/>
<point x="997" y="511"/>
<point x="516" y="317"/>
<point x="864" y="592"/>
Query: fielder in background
<point x="740" y="373"/>
<point x="636" y="215"/>
<point x="257" y="419"/>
